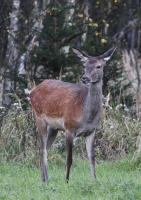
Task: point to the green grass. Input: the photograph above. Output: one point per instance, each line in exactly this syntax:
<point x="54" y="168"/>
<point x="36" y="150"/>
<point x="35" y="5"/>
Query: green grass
<point x="119" y="180"/>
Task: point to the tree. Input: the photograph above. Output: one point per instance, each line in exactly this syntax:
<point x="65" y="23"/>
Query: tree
<point x="5" y="8"/>
<point x="36" y="43"/>
<point x="58" y="33"/>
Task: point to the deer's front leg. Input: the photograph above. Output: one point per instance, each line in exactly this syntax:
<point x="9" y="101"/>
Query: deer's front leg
<point x="69" y="145"/>
<point x="90" y="151"/>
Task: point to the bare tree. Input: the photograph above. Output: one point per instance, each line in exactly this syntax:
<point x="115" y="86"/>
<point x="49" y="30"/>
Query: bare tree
<point x="5" y="10"/>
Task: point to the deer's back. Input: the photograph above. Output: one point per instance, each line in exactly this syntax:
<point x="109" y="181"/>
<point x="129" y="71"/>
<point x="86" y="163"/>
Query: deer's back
<point x="59" y="102"/>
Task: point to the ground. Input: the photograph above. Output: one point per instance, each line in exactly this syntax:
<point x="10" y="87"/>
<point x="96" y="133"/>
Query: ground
<point x="120" y="180"/>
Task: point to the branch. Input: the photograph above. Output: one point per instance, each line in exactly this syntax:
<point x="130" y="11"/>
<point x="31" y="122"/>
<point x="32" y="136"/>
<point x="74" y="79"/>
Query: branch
<point x="72" y="37"/>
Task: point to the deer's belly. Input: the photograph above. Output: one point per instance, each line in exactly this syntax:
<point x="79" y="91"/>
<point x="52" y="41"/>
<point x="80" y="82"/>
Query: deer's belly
<point x="55" y="123"/>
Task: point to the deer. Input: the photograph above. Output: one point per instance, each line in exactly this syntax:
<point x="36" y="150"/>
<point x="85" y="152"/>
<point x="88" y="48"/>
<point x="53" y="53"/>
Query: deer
<point x="73" y="108"/>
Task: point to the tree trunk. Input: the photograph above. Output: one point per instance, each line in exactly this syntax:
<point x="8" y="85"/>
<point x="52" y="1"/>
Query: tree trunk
<point x="1" y="85"/>
<point x="12" y="52"/>
<point x="132" y="66"/>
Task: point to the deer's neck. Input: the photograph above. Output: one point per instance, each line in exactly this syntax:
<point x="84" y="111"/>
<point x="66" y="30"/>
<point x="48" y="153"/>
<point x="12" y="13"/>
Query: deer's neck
<point x="93" y="102"/>
<point x="91" y="110"/>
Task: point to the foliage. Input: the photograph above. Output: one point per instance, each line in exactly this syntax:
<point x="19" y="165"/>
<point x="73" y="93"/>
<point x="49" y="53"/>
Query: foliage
<point x="59" y="33"/>
<point x="5" y="7"/>
<point x="56" y="35"/>
<point x="92" y="26"/>
<point x="66" y="24"/>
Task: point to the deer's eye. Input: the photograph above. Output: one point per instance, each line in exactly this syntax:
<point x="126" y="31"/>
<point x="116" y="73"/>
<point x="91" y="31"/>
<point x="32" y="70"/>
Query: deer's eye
<point x="98" y="67"/>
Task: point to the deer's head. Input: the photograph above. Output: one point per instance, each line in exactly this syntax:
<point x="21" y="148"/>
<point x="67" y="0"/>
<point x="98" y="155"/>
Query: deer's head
<point x="93" y="66"/>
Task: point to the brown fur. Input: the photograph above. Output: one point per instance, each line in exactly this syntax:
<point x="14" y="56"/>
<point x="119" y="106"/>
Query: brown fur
<point x="47" y="99"/>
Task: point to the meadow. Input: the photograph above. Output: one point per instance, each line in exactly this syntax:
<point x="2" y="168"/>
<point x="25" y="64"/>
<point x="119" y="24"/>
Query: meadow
<point x="119" y="180"/>
<point x="118" y="161"/>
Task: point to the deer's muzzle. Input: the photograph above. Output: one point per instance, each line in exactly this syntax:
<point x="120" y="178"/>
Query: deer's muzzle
<point x="85" y="80"/>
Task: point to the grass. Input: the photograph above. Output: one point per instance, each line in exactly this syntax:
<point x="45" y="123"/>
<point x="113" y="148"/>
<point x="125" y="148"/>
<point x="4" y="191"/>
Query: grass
<point x="118" y="180"/>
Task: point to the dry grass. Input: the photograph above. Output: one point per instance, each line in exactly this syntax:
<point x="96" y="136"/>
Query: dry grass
<point x="118" y="135"/>
<point x="18" y="136"/>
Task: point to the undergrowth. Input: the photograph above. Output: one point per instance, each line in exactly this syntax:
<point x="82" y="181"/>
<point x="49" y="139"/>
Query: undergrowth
<point x="118" y="134"/>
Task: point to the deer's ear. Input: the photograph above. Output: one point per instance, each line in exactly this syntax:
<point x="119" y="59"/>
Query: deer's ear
<point x="80" y="55"/>
<point x="107" y="55"/>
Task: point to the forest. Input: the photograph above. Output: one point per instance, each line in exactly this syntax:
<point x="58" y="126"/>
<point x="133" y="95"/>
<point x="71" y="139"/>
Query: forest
<point x="36" y="39"/>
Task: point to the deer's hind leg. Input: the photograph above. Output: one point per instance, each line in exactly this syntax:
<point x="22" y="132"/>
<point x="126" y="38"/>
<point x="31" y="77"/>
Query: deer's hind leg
<point x="89" y="140"/>
<point x="42" y="131"/>
<point x="69" y="146"/>
<point x="51" y="135"/>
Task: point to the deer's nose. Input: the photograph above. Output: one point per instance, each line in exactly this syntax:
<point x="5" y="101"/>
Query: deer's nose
<point x="85" y="79"/>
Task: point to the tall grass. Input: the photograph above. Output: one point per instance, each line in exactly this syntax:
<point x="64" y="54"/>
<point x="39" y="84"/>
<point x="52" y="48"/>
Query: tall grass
<point x="18" y="136"/>
<point x="118" y="135"/>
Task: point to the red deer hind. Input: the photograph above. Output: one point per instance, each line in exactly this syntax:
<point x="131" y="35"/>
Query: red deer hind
<point x="73" y="108"/>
